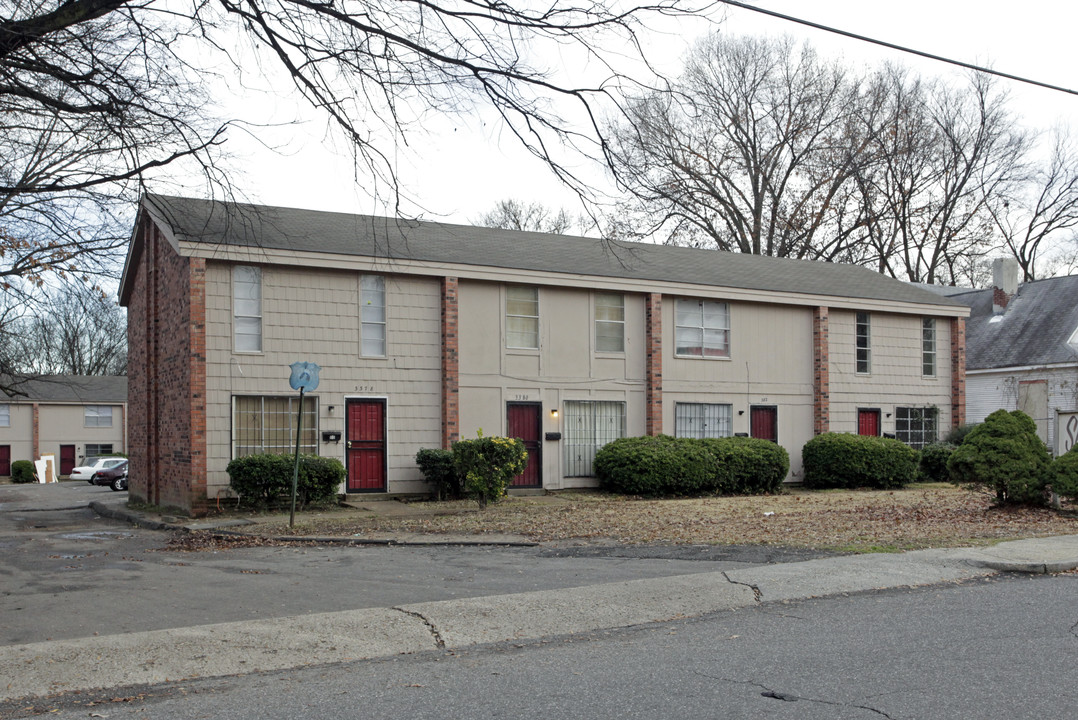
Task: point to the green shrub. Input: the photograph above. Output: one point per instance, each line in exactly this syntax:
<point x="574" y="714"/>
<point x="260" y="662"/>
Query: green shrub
<point x="958" y="435"/>
<point x="1063" y="474"/>
<point x="487" y="466"/>
<point x="840" y="460"/>
<point x="747" y="466"/>
<point x="438" y="469"/>
<point x="933" y="466"/>
<point x="1004" y="454"/>
<point x="22" y="471"/>
<point x="653" y="466"/>
<point x="265" y="480"/>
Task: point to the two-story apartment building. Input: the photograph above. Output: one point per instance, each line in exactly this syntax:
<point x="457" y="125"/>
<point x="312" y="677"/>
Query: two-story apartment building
<point x="429" y="332"/>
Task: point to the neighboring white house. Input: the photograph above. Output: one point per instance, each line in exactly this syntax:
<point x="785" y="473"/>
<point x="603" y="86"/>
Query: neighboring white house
<point x="67" y="416"/>
<point x="1022" y="350"/>
<point x="428" y="332"/>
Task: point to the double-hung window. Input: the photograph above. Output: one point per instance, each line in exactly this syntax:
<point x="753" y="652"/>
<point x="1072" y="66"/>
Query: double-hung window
<point x="702" y="329"/>
<point x="372" y="314"/>
<point x="702" y="420"/>
<point x="864" y="343"/>
<point x="610" y="322"/>
<point x="247" y="308"/>
<point x="522" y="317"/>
<point x="97" y="415"/>
<point x="916" y="426"/>
<point x="267" y="424"/>
<point x="928" y="347"/>
<point x="5" y="415"/>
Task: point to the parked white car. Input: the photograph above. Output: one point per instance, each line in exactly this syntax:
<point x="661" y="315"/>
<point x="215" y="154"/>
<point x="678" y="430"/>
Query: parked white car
<point x="92" y="465"/>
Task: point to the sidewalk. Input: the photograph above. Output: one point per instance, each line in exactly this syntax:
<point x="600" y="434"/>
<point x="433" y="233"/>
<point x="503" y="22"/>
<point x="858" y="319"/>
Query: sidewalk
<point x="276" y="644"/>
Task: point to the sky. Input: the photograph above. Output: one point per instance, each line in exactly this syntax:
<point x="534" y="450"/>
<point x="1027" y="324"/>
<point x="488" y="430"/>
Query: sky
<point x="456" y="171"/>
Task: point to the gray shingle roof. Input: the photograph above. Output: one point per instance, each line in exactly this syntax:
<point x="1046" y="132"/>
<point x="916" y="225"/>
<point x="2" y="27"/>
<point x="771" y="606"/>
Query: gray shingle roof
<point x="237" y="224"/>
<point x="1034" y="330"/>
<point x="89" y="389"/>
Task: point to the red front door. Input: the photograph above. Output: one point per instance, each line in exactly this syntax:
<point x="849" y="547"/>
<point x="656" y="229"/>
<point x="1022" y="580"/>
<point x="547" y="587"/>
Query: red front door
<point x="366" y="445"/>
<point x="5" y="460"/>
<point x="525" y="422"/>
<point x="67" y="459"/>
<point x="764" y="422"/>
<point x="868" y="422"/>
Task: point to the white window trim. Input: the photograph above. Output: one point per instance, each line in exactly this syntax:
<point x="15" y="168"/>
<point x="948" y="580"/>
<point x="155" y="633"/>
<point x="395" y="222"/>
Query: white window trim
<point x="384" y="322"/>
<point x="703" y="348"/>
<point x="236" y="315"/>
<point x="868" y="343"/>
<point x="5" y="415"/>
<point x="97" y="413"/>
<point x="619" y="323"/>
<point x="538" y="311"/>
<point x="925" y="351"/>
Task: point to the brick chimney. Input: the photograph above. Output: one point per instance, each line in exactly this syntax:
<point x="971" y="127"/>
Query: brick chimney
<point x="1004" y="282"/>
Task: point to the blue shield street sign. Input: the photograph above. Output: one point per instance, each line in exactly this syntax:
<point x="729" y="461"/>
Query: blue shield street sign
<point x="304" y="376"/>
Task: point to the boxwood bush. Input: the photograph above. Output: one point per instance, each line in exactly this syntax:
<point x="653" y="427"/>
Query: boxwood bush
<point x="22" y="471"/>
<point x="487" y="465"/>
<point x="665" y="465"/>
<point x="439" y="470"/>
<point x="933" y="465"/>
<point x="747" y="466"/>
<point x="842" y="460"/>
<point x="265" y="480"/>
<point x="1063" y="474"/>
<point x="1004" y="454"/>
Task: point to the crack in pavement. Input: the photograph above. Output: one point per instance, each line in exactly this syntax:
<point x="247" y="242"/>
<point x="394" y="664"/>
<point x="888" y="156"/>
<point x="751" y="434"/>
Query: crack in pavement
<point x="789" y="697"/>
<point x="1074" y="629"/>
<point x="759" y="596"/>
<point x="430" y="626"/>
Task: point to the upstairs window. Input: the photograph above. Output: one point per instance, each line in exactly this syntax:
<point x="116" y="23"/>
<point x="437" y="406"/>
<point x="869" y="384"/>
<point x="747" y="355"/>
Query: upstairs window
<point x="247" y="308"/>
<point x="864" y="343"/>
<point x="5" y="415"/>
<point x="928" y="347"/>
<point x="98" y="415"/>
<point x="609" y="322"/>
<point x="703" y="329"/>
<point x="372" y="314"/>
<point x="522" y="317"/>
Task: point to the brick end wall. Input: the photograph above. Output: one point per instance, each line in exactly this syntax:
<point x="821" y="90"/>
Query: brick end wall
<point x="653" y="365"/>
<point x="167" y="377"/>
<point x="450" y="363"/>
<point x="821" y="371"/>
<point x="958" y="372"/>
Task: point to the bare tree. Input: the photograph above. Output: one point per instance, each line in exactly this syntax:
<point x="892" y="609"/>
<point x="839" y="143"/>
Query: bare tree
<point x="1042" y="210"/>
<point x="510" y="214"/>
<point x="938" y="155"/>
<point x="81" y="331"/>
<point x="749" y="151"/>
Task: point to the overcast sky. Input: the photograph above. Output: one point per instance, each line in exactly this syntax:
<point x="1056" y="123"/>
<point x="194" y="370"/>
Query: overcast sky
<point x="463" y="170"/>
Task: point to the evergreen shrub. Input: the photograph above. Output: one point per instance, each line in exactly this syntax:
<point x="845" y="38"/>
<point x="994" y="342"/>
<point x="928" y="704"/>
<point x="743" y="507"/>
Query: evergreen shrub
<point x="22" y="471"/>
<point x="265" y="480"/>
<point x="1004" y="454"/>
<point x="487" y="466"/>
<point x="842" y="460"/>
<point x="439" y="470"/>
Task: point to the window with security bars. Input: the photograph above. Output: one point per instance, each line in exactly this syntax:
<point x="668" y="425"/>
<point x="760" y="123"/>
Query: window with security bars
<point x="97" y="449"/>
<point x="928" y="347"/>
<point x="372" y="313"/>
<point x="589" y="425"/>
<point x="97" y="415"/>
<point x="609" y="322"/>
<point x="916" y="427"/>
<point x="702" y="329"/>
<point x="864" y="343"/>
<point x="522" y="317"/>
<point x="702" y="420"/>
<point x="267" y="424"/>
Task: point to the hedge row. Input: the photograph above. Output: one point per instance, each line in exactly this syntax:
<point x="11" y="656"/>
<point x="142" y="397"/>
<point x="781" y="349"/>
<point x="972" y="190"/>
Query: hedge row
<point x="665" y="465"/>
<point x="841" y="460"/>
<point x="266" y="480"/>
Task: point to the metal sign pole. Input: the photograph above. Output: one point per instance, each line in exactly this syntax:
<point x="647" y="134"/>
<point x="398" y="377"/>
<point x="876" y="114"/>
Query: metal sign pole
<point x="295" y="466"/>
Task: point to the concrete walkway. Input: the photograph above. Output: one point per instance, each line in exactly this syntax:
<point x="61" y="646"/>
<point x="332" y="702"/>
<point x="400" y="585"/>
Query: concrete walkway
<point x="239" y="647"/>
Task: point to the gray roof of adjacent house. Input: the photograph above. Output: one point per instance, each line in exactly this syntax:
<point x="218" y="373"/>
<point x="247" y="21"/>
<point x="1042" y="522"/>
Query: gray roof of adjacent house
<point x="1033" y="330"/>
<point x="85" y="389"/>
<point x="205" y="221"/>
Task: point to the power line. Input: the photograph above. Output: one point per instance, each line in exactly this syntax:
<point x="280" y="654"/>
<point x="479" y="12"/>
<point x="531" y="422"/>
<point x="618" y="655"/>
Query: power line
<point x="900" y="48"/>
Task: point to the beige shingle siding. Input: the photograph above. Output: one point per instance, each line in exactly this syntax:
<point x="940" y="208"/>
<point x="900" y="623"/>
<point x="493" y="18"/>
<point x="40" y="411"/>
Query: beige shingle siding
<point x="895" y="379"/>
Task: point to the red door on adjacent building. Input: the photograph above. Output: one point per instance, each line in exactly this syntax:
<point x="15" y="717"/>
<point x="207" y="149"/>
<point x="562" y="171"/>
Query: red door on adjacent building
<point x="868" y="422"/>
<point x="525" y="422"/>
<point x="764" y="422"/>
<point x="5" y="460"/>
<point x="366" y="445"/>
<point x="67" y="459"/>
